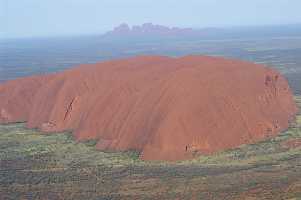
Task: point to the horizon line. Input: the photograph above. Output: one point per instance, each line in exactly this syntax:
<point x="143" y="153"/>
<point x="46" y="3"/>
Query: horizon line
<point x="100" y="33"/>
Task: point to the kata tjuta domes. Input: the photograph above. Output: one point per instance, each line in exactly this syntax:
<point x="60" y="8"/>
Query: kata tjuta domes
<point x="167" y="108"/>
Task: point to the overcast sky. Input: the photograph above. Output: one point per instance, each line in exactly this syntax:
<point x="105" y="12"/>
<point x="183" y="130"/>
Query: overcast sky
<point x="31" y="18"/>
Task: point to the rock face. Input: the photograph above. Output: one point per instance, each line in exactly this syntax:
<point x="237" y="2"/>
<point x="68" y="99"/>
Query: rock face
<point x="167" y="108"/>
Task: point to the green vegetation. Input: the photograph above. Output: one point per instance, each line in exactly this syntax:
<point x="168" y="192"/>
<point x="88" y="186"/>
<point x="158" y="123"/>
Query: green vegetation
<point x="16" y="142"/>
<point x="34" y="165"/>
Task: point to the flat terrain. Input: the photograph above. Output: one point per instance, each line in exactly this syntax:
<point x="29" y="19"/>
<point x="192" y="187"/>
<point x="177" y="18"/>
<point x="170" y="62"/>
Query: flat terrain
<point x="38" y="166"/>
<point x="25" y="57"/>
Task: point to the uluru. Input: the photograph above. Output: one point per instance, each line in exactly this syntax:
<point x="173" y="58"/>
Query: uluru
<point x="166" y="108"/>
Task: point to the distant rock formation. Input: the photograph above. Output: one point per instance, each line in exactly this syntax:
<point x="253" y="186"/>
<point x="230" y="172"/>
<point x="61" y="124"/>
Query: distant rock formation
<point x="166" y="108"/>
<point x="150" y="32"/>
<point x="149" y="29"/>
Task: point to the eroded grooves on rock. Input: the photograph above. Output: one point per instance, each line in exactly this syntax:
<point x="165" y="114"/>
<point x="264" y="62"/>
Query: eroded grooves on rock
<point x="167" y="108"/>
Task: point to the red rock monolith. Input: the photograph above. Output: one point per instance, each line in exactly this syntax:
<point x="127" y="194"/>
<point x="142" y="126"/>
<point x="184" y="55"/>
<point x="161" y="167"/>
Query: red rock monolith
<point x="166" y="108"/>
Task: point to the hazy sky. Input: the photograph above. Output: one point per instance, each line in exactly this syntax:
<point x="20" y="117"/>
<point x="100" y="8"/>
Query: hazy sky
<point x="29" y="18"/>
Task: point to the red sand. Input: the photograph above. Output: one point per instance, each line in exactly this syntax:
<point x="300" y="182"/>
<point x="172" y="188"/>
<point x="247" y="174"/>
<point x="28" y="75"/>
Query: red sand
<point x="167" y="108"/>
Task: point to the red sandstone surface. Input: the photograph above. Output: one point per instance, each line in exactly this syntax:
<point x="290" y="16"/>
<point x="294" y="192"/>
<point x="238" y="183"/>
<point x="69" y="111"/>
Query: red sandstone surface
<point x="167" y="108"/>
